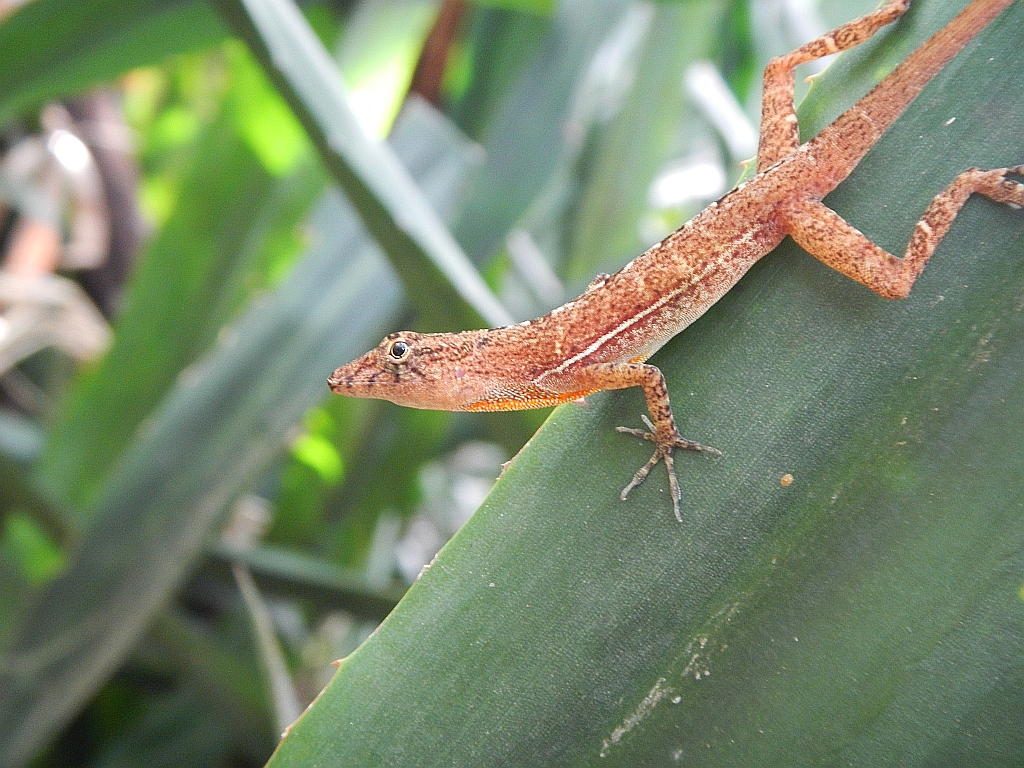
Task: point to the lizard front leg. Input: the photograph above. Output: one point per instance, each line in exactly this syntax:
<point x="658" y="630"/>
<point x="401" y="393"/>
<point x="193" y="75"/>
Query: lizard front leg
<point x="828" y="237"/>
<point x="663" y="432"/>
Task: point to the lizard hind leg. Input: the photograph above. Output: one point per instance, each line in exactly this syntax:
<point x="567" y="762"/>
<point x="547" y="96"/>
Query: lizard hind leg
<point x="780" y="133"/>
<point x="828" y="237"/>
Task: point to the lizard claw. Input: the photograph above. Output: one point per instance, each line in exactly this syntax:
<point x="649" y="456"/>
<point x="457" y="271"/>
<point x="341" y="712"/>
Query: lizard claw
<point x="663" y="452"/>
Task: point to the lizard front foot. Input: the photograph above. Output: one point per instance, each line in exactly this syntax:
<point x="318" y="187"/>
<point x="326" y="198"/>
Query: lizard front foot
<point x="663" y="451"/>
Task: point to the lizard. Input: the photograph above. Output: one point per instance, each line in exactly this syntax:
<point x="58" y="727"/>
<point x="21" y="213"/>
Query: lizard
<point x="602" y="339"/>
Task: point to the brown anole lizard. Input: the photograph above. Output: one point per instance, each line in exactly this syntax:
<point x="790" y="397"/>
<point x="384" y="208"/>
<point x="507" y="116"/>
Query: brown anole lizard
<point x="601" y="339"/>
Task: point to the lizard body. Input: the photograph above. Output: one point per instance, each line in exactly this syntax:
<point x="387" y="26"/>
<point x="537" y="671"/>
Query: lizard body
<point x="601" y="339"/>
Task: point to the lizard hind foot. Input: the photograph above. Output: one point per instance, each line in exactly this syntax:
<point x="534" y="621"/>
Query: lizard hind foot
<point x="663" y="452"/>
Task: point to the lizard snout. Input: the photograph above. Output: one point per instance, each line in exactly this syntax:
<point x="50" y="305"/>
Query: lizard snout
<point x="340" y="380"/>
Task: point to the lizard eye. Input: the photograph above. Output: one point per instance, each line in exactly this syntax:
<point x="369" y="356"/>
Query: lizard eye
<point x="398" y="351"/>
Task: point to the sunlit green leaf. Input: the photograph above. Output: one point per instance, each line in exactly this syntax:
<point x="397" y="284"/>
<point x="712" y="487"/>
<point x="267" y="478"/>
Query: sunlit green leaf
<point x="205" y="259"/>
<point x="319" y="454"/>
<point x="378" y="56"/>
<point x="410" y="232"/>
<point x="27" y="545"/>
<point x="263" y="118"/>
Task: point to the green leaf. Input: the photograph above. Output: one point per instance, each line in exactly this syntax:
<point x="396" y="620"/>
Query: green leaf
<point x="378" y="55"/>
<point x="52" y="48"/>
<point x="218" y="429"/>
<point x="395" y="211"/>
<point x="869" y="613"/>
<point x="26" y="544"/>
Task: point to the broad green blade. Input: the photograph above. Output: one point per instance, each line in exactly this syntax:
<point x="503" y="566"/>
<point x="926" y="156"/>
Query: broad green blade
<point x="52" y="48"/>
<point x="870" y="613"/>
<point x="393" y="208"/>
<point x="218" y="429"/>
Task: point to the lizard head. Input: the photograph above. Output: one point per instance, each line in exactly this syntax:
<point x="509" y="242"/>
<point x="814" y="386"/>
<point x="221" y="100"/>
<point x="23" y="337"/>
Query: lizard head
<point x="413" y="369"/>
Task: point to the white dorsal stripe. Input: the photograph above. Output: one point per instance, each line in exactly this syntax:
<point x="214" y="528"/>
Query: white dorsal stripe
<point x="746" y="240"/>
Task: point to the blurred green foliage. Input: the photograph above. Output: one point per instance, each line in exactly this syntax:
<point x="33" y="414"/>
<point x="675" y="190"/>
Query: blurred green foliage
<point x="559" y="624"/>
